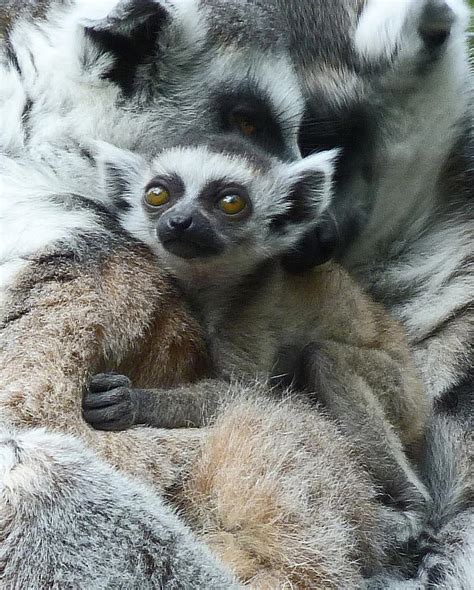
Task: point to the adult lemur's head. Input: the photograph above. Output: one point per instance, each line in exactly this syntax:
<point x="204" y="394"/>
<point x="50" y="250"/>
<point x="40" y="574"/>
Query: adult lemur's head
<point x="220" y="205"/>
<point x="128" y="71"/>
<point x="180" y="64"/>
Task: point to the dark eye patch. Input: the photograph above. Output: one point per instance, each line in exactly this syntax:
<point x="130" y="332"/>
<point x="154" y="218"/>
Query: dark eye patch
<point x="245" y="105"/>
<point x="172" y="182"/>
<point x="219" y="187"/>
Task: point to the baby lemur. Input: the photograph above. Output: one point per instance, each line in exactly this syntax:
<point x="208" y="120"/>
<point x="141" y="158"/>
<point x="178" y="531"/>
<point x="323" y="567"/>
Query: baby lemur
<point x="219" y="213"/>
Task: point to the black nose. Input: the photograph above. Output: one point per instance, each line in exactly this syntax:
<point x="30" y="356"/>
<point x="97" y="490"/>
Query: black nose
<point x="179" y="222"/>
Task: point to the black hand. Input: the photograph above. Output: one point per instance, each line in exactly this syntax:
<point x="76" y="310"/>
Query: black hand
<point x="110" y="402"/>
<point x="316" y="247"/>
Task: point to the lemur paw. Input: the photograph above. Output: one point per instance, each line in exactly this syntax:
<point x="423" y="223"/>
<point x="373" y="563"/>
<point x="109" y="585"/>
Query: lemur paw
<point x="110" y="402"/>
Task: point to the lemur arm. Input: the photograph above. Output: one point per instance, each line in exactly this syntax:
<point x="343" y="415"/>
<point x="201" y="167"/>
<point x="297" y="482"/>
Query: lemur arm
<point x="111" y="403"/>
<point x="242" y="346"/>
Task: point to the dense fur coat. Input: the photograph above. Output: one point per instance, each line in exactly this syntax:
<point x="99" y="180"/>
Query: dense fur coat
<point x="416" y="175"/>
<point x="317" y="331"/>
<point x="79" y="294"/>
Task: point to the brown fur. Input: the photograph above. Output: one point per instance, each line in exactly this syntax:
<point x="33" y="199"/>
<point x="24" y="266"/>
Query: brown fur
<point x="260" y="485"/>
<point x="363" y="341"/>
<point x="279" y="495"/>
<point x="63" y="327"/>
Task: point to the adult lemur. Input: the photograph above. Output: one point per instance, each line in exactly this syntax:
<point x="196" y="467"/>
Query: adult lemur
<point x="392" y="83"/>
<point x="387" y="81"/>
<point x="80" y="294"/>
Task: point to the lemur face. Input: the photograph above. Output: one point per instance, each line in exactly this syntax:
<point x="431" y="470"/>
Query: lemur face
<point x="227" y="205"/>
<point x="219" y="203"/>
<point x="204" y="204"/>
<point x="199" y="229"/>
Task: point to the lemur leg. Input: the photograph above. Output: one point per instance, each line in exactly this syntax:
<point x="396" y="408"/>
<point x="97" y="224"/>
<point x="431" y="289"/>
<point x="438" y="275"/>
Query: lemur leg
<point x="360" y="388"/>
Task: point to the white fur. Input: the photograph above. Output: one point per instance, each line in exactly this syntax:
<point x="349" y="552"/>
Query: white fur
<point x="422" y="112"/>
<point x="28" y="219"/>
<point x="384" y="24"/>
<point x="380" y="27"/>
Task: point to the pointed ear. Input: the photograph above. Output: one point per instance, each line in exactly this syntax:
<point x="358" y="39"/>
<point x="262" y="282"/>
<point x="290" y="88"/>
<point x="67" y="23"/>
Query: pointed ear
<point x="307" y="191"/>
<point x="114" y="47"/>
<point x="122" y="173"/>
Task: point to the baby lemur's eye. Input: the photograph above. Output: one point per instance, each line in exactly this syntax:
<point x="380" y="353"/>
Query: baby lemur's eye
<point x="232" y="204"/>
<point x="157" y="196"/>
<point x="245" y="125"/>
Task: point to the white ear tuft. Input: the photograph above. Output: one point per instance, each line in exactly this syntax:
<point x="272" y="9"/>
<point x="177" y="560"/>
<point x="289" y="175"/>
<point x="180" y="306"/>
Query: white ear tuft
<point x="320" y="167"/>
<point x="322" y="162"/>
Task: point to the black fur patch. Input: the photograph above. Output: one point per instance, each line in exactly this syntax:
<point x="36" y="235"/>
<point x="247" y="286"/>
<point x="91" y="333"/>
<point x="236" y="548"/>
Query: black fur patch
<point x="316" y="247"/>
<point x="300" y="210"/>
<point x="86" y="154"/>
<point x="435" y="28"/>
<point x="10" y="54"/>
<point x="25" y="117"/>
<point x="436" y="577"/>
<point x="458" y="402"/>
<point x="253" y="105"/>
<point x="116" y="187"/>
<point x="131" y="39"/>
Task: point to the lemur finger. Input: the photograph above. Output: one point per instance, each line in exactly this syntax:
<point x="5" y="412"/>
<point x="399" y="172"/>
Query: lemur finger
<point x="112" y="425"/>
<point x="110" y="413"/>
<point x="103" y="399"/>
<point x="106" y="381"/>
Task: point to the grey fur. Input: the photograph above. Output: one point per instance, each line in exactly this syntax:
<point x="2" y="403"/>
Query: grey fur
<point x="424" y="257"/>
<point x="254" y="313"/>
<point x="403" y="221"/>
<point x="73" y="76"/>
<point x="52" y="488"/>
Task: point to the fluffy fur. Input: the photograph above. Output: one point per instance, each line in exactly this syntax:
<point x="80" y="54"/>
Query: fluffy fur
<point x="53" y="488"/>
<point x="405" y="129"/>
<point x="394" y="88"/>
<point x="80" y="294"/>
<point x="323" y="533"/>
<point x="259" y="319"/>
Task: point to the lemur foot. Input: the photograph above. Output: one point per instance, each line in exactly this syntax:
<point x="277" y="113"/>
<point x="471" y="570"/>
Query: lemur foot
<point x="110" y="402"/>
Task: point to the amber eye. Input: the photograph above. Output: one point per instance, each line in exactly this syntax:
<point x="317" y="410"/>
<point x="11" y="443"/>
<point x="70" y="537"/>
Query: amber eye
<point x="232" y="204"/>
<point x="157" y="196"/>
<point x="245" y="125"/>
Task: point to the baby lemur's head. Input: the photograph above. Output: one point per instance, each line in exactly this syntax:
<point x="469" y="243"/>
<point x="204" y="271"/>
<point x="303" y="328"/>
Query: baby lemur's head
<point x="219" y="205"/>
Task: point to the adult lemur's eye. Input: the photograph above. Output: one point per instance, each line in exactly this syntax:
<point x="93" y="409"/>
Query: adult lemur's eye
<point x="157" y="196"/>
<point x="245" y="125"/>
<point x="232" y="204"/>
